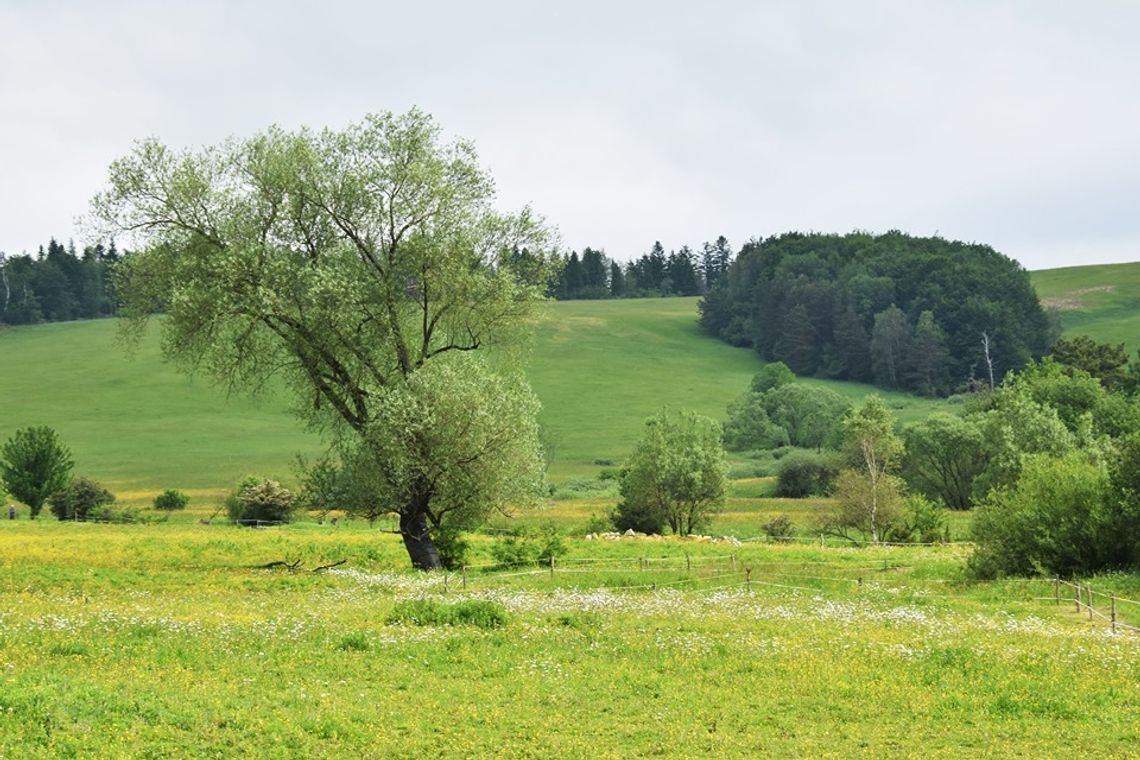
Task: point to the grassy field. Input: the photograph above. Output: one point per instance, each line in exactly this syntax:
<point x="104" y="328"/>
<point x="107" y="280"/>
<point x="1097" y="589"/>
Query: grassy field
<point x="168" y="641"/>
<point x="137" y="424"/>
<point x="599" y="367"/>
<point x="1100" y="301"/>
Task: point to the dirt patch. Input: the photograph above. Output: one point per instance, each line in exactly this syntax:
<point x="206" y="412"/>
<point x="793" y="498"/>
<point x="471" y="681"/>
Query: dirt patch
<point x="1071" y="301"/>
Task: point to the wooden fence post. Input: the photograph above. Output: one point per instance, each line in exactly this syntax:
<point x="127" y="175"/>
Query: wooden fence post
<point x="1077" y="597"/>
<point x="1112" y="614"/>
<point x="734" y="562"/>
<point x="465" y="576"/>
<point x="551" y="565"/>
<point x="688" y="563"/>
<point x="445" y="574"/>
<point x="1057" y="590"/>
<point x="1089" y="589"/>
<point x="748" y="577"/>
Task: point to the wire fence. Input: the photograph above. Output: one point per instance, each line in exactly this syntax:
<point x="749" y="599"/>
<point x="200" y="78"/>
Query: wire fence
<point x="638" y="574"/>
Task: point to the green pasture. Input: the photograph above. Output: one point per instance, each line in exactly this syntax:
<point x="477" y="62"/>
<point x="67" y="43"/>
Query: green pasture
<point x="170" y="640"/>
<point x="601" y="367"/>
<point x="1102" y="301"/>
<point x="140" y="426"/>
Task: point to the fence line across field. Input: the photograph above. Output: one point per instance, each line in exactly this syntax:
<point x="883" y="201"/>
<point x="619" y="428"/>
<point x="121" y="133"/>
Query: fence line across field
<point x="1083" y="595"/>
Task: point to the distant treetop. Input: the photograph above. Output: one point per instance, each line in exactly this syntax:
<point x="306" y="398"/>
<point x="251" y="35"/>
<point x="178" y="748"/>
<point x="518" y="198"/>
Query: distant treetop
<point x="926" y="315"/>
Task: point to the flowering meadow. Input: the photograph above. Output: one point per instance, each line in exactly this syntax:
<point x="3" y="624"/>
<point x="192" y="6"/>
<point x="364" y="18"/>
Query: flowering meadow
<point x="175" y="640"/>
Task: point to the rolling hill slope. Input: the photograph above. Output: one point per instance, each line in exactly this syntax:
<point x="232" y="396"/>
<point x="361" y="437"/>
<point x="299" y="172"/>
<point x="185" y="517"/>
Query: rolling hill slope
<point x="599" y="367"/>
<point x="1101" y="301"/>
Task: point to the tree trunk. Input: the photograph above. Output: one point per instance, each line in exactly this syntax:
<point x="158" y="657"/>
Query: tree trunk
<point x="414" y="529"/>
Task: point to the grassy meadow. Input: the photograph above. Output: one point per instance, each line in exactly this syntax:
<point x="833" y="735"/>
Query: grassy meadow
<point x="140" y="426"/>
<point x="147" y="641"/>
<point x="1102" y="301"/>
<point x="173" y="638"/>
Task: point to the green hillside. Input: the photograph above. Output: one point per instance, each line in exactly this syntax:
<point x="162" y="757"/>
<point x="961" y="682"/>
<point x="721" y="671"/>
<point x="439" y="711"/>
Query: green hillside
<point x="599" y="367"/>
<point x="602" y="367"/>
<point x="1101" y="301"/>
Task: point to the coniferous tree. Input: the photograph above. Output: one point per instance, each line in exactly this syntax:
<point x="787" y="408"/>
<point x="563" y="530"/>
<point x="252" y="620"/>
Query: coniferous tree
<point x="617" y="280"/>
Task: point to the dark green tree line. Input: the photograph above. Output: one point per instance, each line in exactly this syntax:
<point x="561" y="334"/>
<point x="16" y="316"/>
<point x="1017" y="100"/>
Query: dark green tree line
<point x="919" y="314"/>
<point x="58" y="284"/>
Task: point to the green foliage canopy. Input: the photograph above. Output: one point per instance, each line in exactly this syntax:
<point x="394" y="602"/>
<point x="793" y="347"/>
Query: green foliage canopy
<point x="34" y="464"/>
<point x="347" y="262"/>
<point x="678" y="472"/>
<point x="917" y="306"/>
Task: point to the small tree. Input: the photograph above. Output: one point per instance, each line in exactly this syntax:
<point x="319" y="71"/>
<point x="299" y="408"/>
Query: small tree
<point x="170" y="500"/>
<point x="258" y="499"/>
<point x="868" y="497"/>
<point x="34" y="464"/>
<point x="678" y="472"/>
<point x="81" y="499"/>
<point x="944" y="455"/>
<point x="869" y="506"/>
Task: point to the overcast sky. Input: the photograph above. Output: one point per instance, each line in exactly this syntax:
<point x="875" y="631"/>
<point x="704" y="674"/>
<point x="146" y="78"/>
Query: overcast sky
<point x="1014" y="124"/>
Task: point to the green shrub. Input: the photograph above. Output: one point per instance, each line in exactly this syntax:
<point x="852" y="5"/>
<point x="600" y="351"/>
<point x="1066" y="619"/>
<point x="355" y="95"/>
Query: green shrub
<point x="805" y="473"/>
<point x="260" y="500"/>
<point x="1059" y="519"/>
<point x="82" y="499"/>
<point x="357" y="641"/>
<point x="475" y="612"/>
<point x="512" y="550"/>
<point x="923" y="521"/>
<point x="643" y="518"/>
<point x="524" y="547"/>
<point x="779" y="528"/>
<point x="598" y="524"/>
<point x="170" y="500"/>
<point x="452" y="547"/>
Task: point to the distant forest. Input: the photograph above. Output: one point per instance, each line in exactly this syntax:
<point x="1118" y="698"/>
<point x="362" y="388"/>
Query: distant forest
<point x="682" y="272"/>
<point x="57" y="284"/>
<point x="926" y="315"/>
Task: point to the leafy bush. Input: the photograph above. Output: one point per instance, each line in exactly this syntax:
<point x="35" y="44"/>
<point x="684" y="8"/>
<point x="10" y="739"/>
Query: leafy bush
<point x="598" y="524"/>
<point x="475" y="612"/>
<point x="452" y="547"/>
<point x="260" y="500"/>
<point x="170" y="500"/>
<point x="639" y="517"/>
<point x="82" y="499"/>
<point x="779" y="528"/>
<point x="923" y="521"/>
<point x="528" y="548"/>
<point x="1059" y="519"/>
<point x="805" y="473"/>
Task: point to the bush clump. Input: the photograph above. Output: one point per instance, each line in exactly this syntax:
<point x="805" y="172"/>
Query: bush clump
<point x="82" y="499"/>
<point x="475" y="612"/>
<point x="779" y="528"/>
<point x="805" y="473"/>
<point x="528" y="548"/>
<point x="170" y="500"/>
<point x="260" y="500"/>
<point x="1061" y="518"/>
<point x="452" y="546"/>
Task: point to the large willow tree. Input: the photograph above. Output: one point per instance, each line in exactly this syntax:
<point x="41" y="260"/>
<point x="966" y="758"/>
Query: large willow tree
<point x="369" y="268"/>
